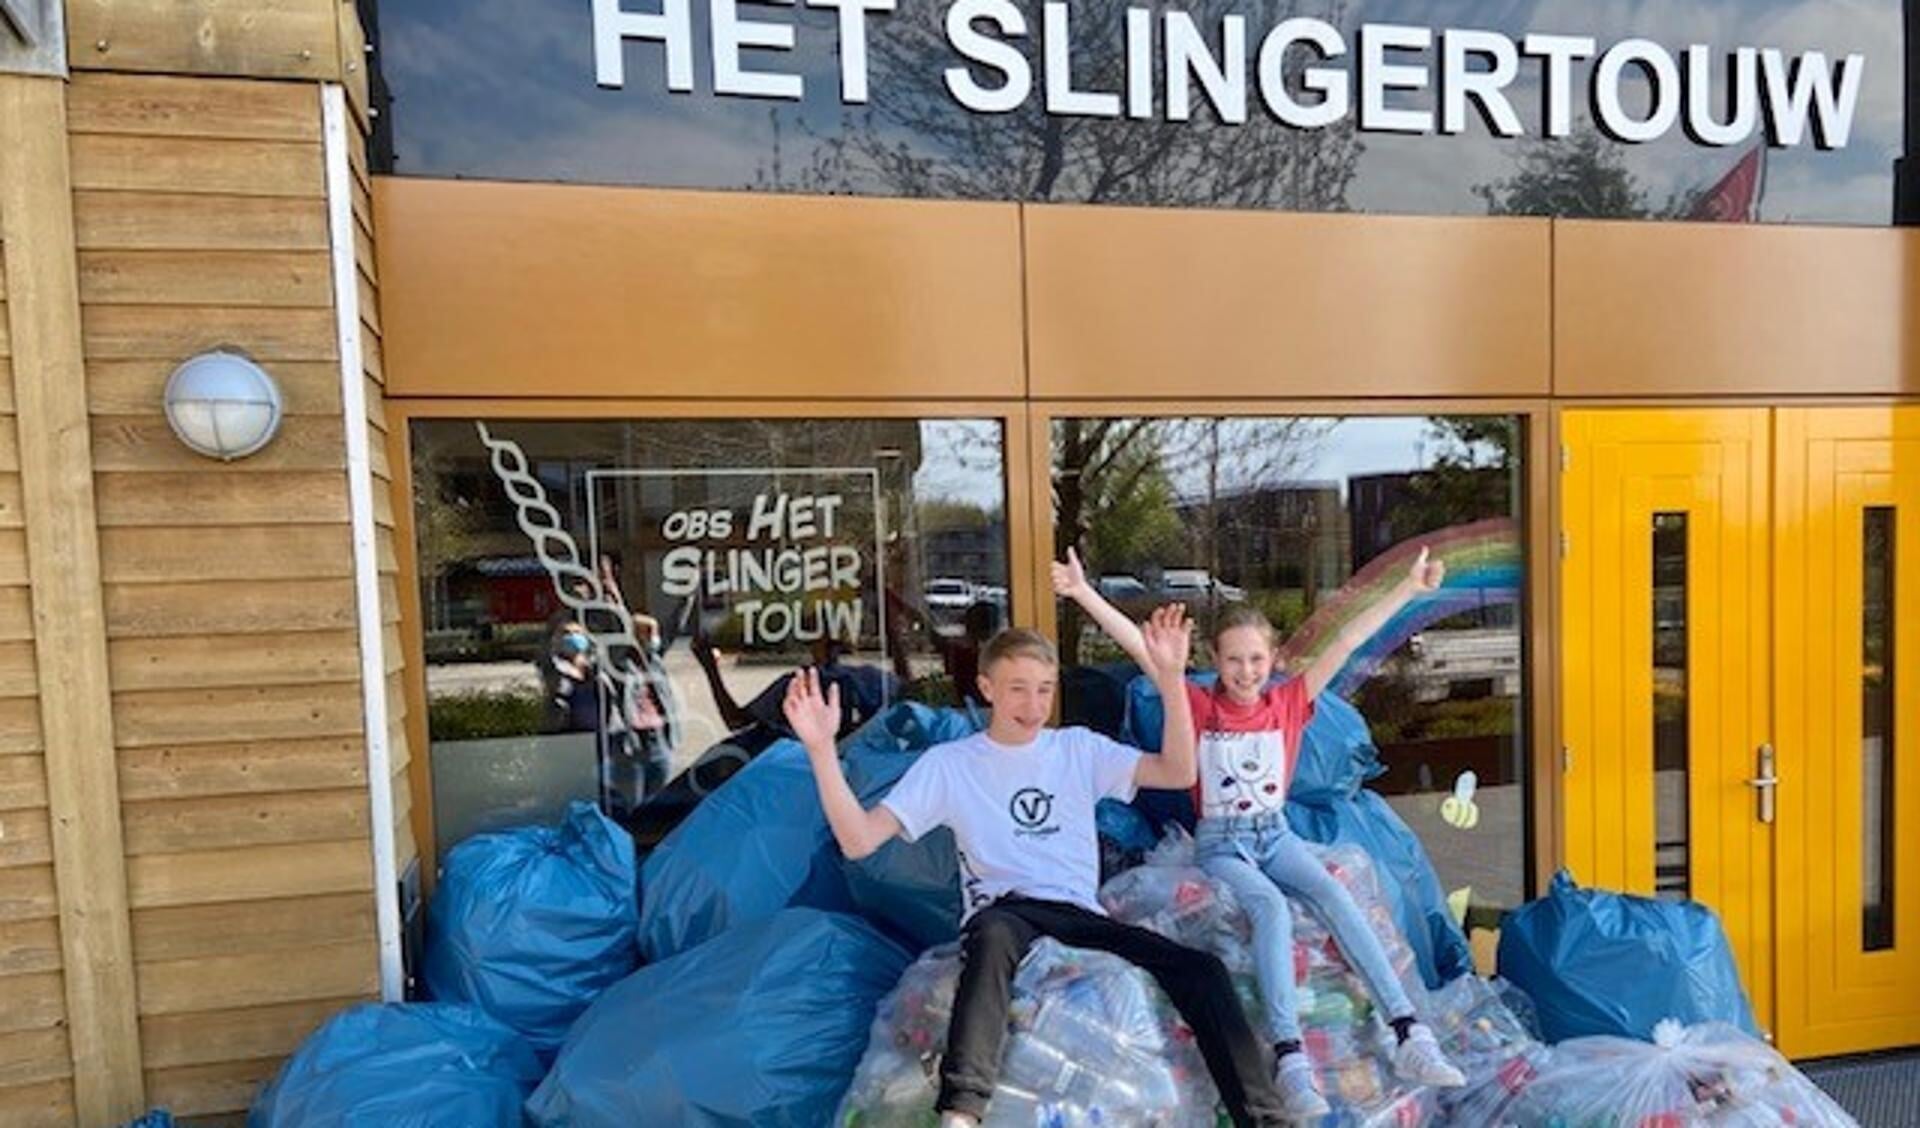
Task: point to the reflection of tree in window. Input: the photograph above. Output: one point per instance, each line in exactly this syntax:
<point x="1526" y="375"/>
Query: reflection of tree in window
<point x="1030" y="154"/>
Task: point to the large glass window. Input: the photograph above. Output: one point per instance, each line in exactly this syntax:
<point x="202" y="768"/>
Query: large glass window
<point x="1311" y="519"/>
<point x="611" y="608"/>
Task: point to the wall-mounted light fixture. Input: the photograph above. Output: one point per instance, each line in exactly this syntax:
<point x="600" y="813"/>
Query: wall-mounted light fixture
<point x="223" y="405"/>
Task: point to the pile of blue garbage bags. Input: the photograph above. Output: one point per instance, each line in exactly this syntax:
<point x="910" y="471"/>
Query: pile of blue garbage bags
<point x="733" y="977"/>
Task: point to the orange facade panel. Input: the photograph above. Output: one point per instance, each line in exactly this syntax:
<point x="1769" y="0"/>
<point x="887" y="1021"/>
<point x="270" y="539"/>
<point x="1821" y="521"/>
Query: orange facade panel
<point x="1678" y="309"/>
<point x="564" y="291"/>
<point x="1139" y="302"/>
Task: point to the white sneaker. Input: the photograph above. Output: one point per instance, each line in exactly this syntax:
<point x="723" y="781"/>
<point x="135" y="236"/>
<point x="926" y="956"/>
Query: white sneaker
<point x="1420" y="1061"/>
<point x="957" y="1120"/>
<point x="1300" y="1099"/>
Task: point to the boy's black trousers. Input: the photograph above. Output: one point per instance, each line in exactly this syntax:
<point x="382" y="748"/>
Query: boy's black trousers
<point x="997" y="938"/>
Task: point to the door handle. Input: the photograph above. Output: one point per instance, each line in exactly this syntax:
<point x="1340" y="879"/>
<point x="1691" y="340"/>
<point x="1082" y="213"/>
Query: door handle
<point x="1764" y="782"/>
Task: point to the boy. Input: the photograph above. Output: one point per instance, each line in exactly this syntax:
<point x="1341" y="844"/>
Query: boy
<point x="1020" y="799"/>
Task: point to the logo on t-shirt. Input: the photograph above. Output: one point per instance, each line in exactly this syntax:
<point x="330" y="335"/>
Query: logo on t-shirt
<point x="1031" y="808"/>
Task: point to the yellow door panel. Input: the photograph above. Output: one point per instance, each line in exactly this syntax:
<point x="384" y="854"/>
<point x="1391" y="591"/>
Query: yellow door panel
<point x="1847" y="691"/>
<point x="1665" y="680"/>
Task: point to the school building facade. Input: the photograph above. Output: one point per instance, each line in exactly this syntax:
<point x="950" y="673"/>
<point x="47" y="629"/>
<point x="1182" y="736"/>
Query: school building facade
<point x="751" y="334"/>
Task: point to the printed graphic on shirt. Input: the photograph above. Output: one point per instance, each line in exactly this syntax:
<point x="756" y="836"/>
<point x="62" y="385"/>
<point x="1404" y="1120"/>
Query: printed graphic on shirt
<point x="1031" y="809"/>
<point x="973" y="891"/>
<point x="1242" y="773"/>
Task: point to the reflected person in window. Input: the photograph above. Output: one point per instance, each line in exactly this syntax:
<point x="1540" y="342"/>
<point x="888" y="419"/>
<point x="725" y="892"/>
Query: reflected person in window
<point x="865" y="689"/>
<point x="1249" y="727"/>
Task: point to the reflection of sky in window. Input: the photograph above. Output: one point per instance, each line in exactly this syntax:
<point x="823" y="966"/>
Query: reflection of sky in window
<point x="961" y="460"/>
<point x="505" y="89"/>
<point x="1344" y="449"/>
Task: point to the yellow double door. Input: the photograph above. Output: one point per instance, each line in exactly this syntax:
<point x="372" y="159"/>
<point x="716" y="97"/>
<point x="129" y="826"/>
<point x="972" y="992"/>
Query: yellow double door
<point x="1740" y="694"/>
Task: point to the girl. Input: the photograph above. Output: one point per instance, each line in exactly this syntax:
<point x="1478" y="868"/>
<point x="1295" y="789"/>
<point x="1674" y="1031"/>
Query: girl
<point x="1249" y="738"/>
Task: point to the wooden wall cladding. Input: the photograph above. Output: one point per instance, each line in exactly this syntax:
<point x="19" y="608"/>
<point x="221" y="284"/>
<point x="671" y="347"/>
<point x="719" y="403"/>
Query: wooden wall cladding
<point x="201" y="220"/>
<point x="256" y="39"/>
<point x="36" y="1064"/>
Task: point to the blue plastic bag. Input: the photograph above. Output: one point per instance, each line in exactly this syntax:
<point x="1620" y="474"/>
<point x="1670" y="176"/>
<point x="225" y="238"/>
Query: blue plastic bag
<point x="910" y="889"/>
<point x="531" y="924"/>
<point x="758" y="844"/>
<point x="1328" y="804"/>
<point x="406" y="1065"/>
<point x="1596" y="962"/>
<point x="158" y="1118"/>
<point x="763" y="1026"/>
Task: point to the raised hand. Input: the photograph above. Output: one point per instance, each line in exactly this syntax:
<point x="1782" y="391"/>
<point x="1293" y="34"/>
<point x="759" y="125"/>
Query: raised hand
<point x="1169" y="640"/>
<point x="1426" y="575"/>
<point x="814" y="717"/>
<point x="1069" y="577"/>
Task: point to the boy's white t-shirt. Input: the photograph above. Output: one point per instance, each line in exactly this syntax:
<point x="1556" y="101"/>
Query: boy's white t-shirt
<point x="1023" y="816"/>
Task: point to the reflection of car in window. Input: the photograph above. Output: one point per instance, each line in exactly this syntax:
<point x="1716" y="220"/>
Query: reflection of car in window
<point x="1195" y="583"/>
<point x="949" y="594"/>
<point x="1474" y="662"/>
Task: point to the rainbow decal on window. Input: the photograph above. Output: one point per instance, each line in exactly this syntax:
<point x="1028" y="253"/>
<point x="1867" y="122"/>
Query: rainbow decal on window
<point x="1483" y="569"/>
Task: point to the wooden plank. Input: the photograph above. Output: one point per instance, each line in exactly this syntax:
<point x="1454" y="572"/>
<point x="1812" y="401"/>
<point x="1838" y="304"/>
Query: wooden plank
<point x="376" y="398"/>
<point x="30" y="1056"/>
<point x="27" y="894"/>
<point x="259" y="978"/>
<point x="393" y="647"/>
<point x="377" y="453"/>
<point x="20" y="729"/>
<point x="16" y="614"/>
<point x="23" y="783"/>
<point x="29" y="947"/>
<point x="19" y="675"/>
<point x="12" y="507"/>
<point x="184" y="771"/>
<point x="369" y="302"/>
<point x="206" y="716"/>
<point x="176" y="826"/>
<point x="238" y="928"/>
<point x="353" y="71"/>
<point x="177" y="332"/>
<point x="254" y="607"/>
<point x="383" y="507"/>
<point x="25" y="838"/>
<point x="33" y="1002"/>
<point x="13" y="558"/>
<point x="288" y="658"/>
<point x="172" y="1040"/>
<point x="83" y="790"/>
<point x="202" y="1090"/>
<point x="275" y="552"/>
<point x="373" y="356"/>
<point x="285" y="279"/>
<point x="401" y="748"/>
<point x="257" y="873"/>
<point x="139" y="443"/>
<point x="47" y="1105"/>
<point x="168" y="106"/>
<point x="202" y="500"/>
<point x="259" y="39"/>
<point x="363" y="211"/>
<point x="9" y="445"/>
<point x="134" y="387"/>
<point x="148" y="220"/>
<point x="405" y="848"/>
<point x="387" y="560"/>
<point x="104" y="162"/>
